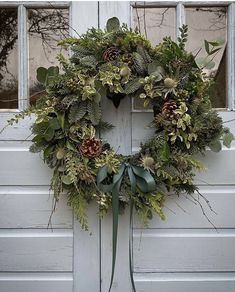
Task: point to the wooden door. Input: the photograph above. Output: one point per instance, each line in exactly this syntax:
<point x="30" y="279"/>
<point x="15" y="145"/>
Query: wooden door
<point x="184" y="253"/>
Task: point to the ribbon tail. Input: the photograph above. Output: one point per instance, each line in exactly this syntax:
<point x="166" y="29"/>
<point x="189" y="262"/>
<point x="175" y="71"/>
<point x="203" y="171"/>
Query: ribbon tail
<point x="115" y="210"/>
<point x="130" y="248"/>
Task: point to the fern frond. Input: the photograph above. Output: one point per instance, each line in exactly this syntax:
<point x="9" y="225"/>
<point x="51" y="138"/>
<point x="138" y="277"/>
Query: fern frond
<point x="88" y="61"/>
<point x="94" y="112"/>
<point x="132" y="86"/>
<point x="79" y="205"/>
<point x="71" y="163"/>
<point x="144" y="54"/>
<point x="104" y="126"/>
<point x="139" y="63"/>
<point x="79" y="52"/>
<point x="77" y="112"/>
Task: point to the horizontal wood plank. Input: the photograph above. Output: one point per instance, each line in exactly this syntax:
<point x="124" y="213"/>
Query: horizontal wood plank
<point x="36" y="282"/>
<point x="22" y="167"/>
<point x="184" y="250"/>
<point x="184" y="212"/>
<point x="185" y="282"/>
<point x="220" y="167"/>
<point x="31" y="207"/>
<point x="16" y="132"/>
<point x="36" y="250"/>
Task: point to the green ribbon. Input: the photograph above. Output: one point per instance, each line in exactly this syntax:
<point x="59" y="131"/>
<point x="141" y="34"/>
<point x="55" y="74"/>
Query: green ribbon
<point x="138" y="177"/>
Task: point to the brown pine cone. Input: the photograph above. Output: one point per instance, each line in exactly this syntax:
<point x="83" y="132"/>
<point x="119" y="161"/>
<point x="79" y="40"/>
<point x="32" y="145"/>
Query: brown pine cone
<point x="168" y="109"/>
<point x="111" y="54"/>
<point x="91" y="147"/>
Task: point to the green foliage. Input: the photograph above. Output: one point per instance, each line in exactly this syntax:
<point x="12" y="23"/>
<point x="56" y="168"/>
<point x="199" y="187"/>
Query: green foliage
<point x="113" y="24"/>
<point x="79" y="205"/>
<point x="94" y="112"/>
<point x="118" y="63"/>
<point x="77" y="112"/>
<point x="44" y="75"/>
<point x="132" y="86"/>
<point x="183" y="36"/>
<point x="139" y="63"/>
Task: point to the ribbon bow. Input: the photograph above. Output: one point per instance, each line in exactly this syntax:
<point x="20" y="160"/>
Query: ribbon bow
<point x="139" y="177"/>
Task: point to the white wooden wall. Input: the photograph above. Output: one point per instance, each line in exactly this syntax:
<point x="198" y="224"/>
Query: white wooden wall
<point x="182" y="254"/>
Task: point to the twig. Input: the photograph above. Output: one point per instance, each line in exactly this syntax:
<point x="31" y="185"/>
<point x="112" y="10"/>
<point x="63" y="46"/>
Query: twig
<point x="203" y="211"/>
<point x="207" y="202"/>
<point x="145" y="25"/>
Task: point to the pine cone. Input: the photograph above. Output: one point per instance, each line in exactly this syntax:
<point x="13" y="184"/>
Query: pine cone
<point x="111" y="54"/>
<point x="91" y="147"/>
<point x="168" y="109"/>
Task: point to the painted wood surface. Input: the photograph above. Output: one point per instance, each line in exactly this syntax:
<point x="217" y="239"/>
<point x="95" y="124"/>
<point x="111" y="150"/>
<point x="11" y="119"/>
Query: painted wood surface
<point x="183" y="212"/>
<point x="36" y="250"/>
<point x="30" y="207"/>
<point x="21" y="167"/>
<point x="86" y="253"/>
<point x="33" y="258"/>
<point x="36" y="282"/>
<point x="184" y="250"/>
<point x="185" y="282"/>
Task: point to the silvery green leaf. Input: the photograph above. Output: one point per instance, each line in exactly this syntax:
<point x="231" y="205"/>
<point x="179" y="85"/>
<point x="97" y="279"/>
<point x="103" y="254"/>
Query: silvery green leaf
<point x="113" y="24"/>
<point x="215" y="146"/>
<point x="227" y="139"/>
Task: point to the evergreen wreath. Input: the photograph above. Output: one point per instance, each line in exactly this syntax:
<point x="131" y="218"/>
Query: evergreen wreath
<point x="119" y="63"/>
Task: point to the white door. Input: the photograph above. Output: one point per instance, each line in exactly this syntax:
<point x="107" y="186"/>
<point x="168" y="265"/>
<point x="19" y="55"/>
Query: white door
<point x="182" y="254"/>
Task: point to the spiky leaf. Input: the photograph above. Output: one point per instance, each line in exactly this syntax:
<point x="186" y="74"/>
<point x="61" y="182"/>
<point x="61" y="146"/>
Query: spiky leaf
<point x="94" y="112"/>
<point x="89" y="61"/>
<point x="139" y="63"/>
<point x="133" y="86"/>
<point x="144" y="54"/>
<point x="77" y="112"/>
<point x="104" y="126"/>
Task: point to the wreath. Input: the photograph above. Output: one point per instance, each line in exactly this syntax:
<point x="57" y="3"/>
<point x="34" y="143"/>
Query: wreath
<point x="118" y="63"/>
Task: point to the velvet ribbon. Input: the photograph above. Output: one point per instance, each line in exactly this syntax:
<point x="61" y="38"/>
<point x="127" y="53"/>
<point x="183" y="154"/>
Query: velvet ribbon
<point x="138" y="177"/>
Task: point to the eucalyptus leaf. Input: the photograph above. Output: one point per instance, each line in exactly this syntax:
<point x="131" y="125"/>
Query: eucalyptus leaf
<point x="60" y="153"/>
<point x="203" y="62"/>
<point x="53" y="71"/>
<point x="60" y="117"/>
<point x="49" y="134"/>
<point x="49" y="150"/>
<point x="66" y="180"/>
<point x="42" y="75"/>
<point x="215" y="146"/>
<point x="113" y="24"/>
<point x="227" y="139"/>
<point x="217" y="43"/>
<point x="207" y="48"/>
<point x="54" y="124"/>
<point x="209" y="65"/>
